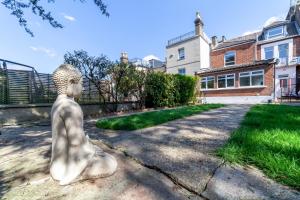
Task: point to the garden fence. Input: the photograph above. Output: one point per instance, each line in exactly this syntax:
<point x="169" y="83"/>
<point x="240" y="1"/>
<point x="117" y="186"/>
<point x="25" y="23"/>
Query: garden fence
<point x="27" y="86"/>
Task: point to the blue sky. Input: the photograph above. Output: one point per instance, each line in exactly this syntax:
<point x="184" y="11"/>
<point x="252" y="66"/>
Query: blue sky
<point x="138" y="27"/>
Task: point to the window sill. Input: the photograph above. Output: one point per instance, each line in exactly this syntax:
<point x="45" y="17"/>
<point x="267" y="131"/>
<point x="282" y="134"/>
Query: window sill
<point x="180" y="59"/>
<point x="236" y="88"/>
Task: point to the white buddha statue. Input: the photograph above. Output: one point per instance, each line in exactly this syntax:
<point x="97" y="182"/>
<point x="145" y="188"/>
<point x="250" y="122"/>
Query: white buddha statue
<point x="73" y="156"/>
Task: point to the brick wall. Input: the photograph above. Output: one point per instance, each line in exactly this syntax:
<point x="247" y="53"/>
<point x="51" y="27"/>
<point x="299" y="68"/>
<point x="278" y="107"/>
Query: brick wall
<point x="258" y="52"/>
<point x="265" y="91"/>
<point x="244" y="54"/>
<point x="296" y="47"/>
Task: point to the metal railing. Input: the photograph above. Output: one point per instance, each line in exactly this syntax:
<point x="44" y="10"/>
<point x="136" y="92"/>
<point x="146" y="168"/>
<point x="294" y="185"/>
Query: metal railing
<point x="290" y="93"/>
<point x="181" y="38"/>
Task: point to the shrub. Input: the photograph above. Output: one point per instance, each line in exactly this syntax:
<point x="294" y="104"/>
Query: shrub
<point x="185" y="87"/>
<point x="169" y="90"/>
<point x="159" y="90"/>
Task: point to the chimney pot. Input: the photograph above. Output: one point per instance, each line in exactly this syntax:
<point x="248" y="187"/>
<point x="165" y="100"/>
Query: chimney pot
<point x="198" y="24"/>
<point x="214" y="41"/>
<point x="124" y="58"/>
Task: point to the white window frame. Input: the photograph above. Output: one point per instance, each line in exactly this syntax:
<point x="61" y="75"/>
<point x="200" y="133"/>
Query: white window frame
<point x="270" y="47"/>
<point x="226" y="77"/>
<point x="286" y="49"/>
<point x="250" y="75"/>
<point x="276" y="35"/>
<point x="234" y="52"/>
<point x="205" y="79"/>
<point x="181" y="49"/>
<point x="183" y="68"/>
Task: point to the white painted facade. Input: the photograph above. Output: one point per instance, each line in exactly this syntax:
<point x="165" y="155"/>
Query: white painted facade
<point x="276" y="51"/>
<point x="196" y="51"/>
<point x="195" y="46"/>
<point x="285" y="68"/>
<point x="289" y="73"/>
<point x="238" y="99"/>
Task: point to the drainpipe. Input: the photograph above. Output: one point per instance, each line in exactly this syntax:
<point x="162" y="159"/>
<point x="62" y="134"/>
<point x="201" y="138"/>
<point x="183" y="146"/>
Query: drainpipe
<point x="255" y="47"/>
<point x="274" y="79"/>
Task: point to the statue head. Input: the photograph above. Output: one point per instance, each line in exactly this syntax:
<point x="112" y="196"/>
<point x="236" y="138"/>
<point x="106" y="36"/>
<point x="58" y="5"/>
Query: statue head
<point x="68" y="80"/>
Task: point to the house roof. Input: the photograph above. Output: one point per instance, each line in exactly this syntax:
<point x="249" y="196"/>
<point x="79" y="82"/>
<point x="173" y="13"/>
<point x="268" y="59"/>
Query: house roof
<point x="237" y="41"/>
<point x="291" y="28"/>
<point x="291" y="31"/>
<point x="233" y="67"/>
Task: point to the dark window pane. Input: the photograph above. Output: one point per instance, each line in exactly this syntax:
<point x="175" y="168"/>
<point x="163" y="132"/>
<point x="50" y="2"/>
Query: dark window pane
<point x="210" y="84"/>
<point x="221" y="83"/>
<point x="230" y="58"/>
<point x="257" y="80"/>
<point x="245" y="81"/>
<point x="230" y="82"/>
<point x="203" y="85"/>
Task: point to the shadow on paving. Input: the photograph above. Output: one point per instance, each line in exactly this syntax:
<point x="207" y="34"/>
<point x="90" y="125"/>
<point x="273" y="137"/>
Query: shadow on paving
<point x="24" y="162"/>
<point x="183" y="149"/>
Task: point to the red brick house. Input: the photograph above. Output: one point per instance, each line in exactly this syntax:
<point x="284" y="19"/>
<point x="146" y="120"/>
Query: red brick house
<point x="256" y="68"/>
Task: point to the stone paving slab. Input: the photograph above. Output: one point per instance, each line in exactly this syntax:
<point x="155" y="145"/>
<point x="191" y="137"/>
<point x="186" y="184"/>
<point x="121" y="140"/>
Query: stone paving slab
<point x="183" y="148"/>
<point x="24" y="173"/>
<point x="236" y="182"/>
<point x="172" y="161"/>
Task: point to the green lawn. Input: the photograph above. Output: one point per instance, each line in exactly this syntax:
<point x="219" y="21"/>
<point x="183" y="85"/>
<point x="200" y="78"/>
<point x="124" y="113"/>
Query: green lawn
<point x="269" y="138"/>
<point x="148" y="119"/>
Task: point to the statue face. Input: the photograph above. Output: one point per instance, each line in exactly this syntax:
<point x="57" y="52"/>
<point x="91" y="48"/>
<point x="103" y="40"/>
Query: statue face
<point x="74" y="89"/>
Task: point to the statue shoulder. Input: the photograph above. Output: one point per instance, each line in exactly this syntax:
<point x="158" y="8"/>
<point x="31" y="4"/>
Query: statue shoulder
<point x="71" y="106"/>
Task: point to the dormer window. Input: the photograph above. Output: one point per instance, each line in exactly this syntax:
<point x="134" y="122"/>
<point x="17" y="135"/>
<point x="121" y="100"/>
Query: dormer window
<point x="275" y="32"/>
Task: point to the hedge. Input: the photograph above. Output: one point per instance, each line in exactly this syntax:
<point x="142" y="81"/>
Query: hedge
<point x="169" y="90"/>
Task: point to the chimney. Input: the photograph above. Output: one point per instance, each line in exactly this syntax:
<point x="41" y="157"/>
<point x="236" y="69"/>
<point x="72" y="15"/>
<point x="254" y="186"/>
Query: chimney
<point x="198" y="24"/>
<point x="214" y="41"/>
<point x="124" y="58"/>
<point x="223" y="39"/>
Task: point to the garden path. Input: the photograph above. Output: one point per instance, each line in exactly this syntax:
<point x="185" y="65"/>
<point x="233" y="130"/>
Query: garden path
<point x="174" y="160"/>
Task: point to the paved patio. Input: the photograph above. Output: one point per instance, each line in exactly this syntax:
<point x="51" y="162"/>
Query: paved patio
<point x="172" y="161"/>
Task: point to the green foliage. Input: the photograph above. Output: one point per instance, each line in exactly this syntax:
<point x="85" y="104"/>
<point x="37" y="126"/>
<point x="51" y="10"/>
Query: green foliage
<point x="269" y="138"/>
<point x="185" y="87"/>
<point x="152" y="118"/>
<point x="19" y="7"/>
<point x="169" y="90"/>
<point x="159" y="88"/>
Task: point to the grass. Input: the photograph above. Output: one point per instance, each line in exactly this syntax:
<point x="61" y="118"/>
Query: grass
<point x="148" y="119"/>
<point x="269" y="138"/>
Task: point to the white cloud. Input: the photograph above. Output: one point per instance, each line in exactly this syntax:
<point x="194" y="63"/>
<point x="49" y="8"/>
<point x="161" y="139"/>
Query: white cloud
<point x="250" y="32"/>
<point x="48" y="52"/>
<point x="266" y="23"/>
<point x="68" y="17"/>
<point x="273" y="19"/>
<point x="150" y="57"/>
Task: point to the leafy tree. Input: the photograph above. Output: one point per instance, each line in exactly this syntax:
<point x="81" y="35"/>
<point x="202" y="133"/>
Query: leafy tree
<point x="133" y="84"/>
<point x="17" y="8"/>
<point x="95" y="69"/>
<point x="118" y="89"/>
